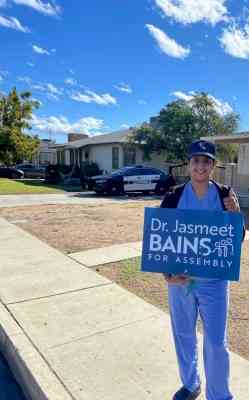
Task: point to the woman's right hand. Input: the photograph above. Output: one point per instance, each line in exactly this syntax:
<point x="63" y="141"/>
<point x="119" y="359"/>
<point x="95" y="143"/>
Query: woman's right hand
<point x="176" y="279"/>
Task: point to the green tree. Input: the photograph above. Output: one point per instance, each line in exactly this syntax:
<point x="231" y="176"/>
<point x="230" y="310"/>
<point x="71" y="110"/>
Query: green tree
<point x="170" y="132"/>
<point x="15" y="115"/>
<point x="181" y="122"/>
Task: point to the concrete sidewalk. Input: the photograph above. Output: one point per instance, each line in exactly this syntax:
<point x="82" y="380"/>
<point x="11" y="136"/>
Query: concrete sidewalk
<point x="108" y="254"/>
<point x="69" y="333"/>
<point x="15" y="200"/>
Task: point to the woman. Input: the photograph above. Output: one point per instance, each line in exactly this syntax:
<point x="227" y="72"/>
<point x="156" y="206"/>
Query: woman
<point x="206" y="297"/>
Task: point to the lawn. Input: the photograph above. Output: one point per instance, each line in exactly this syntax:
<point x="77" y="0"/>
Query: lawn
<point x="11" y="186"/>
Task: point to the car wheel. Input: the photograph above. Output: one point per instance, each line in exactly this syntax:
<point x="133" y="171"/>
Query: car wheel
<point x="114" y="190"/>
<point x="14" y="175"/>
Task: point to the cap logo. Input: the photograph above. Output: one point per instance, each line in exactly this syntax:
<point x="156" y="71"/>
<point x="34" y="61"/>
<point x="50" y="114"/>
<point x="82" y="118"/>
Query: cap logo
<point x="203" y="146"/>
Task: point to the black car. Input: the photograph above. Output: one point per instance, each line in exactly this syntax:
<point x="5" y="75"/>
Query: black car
<point x="31" y="170"/>
<point x="11" y="172"/>
<point x="132" y="179"/>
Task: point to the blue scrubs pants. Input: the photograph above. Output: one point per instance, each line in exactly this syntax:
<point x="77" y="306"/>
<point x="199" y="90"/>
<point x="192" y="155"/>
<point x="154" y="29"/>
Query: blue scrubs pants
<point x="209" y="299"/>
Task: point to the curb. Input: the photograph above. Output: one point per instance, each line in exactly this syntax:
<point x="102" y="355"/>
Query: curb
<point x="32" y="373"/>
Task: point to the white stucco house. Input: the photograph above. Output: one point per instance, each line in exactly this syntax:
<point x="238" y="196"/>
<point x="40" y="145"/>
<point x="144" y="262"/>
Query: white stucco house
<point x="110" y="151"/>
<point x="46" y="153"/>
<point x="237" y="175"/>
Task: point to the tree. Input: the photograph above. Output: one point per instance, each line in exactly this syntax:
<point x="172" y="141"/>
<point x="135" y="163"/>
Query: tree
<point x="211" y="123"/>
<point x="181" y="122"/>
<point x="15" y="114"/>
<point x="170" y="132"/>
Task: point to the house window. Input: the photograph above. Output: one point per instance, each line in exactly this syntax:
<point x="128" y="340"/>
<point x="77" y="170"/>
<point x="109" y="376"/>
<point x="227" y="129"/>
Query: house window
<point x="115" y="158"/>
<point x="129" y="156"/>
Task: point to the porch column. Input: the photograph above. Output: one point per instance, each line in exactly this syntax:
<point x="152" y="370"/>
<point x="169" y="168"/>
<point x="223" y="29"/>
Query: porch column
<point x="67" y="157"/>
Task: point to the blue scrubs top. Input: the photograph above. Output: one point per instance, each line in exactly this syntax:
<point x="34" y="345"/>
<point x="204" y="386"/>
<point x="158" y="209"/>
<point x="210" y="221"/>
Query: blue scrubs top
<point x="190" y="201"/>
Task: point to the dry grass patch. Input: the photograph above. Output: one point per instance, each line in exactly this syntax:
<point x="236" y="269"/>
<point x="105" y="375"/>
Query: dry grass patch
<point x="152" y="288"/>
<point x="73" y="228"/>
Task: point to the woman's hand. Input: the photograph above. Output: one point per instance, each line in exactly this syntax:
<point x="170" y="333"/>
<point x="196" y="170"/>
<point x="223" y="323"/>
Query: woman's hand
<point x="231" y="202"/>
<point x="176" y="279"/>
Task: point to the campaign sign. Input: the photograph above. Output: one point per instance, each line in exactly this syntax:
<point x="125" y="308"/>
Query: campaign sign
<point x="193" y="242"/>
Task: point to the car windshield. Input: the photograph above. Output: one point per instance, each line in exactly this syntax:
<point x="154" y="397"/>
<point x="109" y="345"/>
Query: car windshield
<point x="120" y="171"/>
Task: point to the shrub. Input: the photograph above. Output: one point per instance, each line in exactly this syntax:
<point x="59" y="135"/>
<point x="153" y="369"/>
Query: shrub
<point x="53" y="174"/>
<point x="89" y="168"/>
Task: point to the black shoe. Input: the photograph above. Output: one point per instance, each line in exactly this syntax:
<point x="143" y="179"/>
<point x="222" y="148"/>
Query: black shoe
<point x="185" y="394"/>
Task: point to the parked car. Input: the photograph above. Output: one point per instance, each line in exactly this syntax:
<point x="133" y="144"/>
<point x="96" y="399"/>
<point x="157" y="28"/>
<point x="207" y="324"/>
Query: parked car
<point x="11" y="172"/>
<point x="31" y="170"/>
<point x="132" y="179"/>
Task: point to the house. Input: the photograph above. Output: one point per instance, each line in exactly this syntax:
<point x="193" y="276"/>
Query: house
<point x="110" y="151"/>
<point x="236" y="175"/>
<point x="46" y="153"/>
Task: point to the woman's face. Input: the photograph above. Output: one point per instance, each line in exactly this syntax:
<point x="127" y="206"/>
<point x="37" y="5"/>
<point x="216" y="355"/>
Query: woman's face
<point x="200" y="168"/>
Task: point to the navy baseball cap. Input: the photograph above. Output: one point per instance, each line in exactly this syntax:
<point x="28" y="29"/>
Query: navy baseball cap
<point x="202" y="148"/>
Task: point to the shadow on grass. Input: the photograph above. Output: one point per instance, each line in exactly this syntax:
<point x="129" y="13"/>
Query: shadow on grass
<point x="119" y="198"/>
<point x="42" y="184"/>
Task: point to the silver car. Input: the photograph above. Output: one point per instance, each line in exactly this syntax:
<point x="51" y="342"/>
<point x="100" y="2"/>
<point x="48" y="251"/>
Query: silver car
<point x="31" y="171"/>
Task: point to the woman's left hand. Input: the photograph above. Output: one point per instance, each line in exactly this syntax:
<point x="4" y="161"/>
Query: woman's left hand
<point x="231" y="202"/>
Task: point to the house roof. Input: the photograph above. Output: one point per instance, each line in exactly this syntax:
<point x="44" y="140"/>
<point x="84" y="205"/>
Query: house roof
<point x="114" y="137"/>
<point x="241" y="137"/>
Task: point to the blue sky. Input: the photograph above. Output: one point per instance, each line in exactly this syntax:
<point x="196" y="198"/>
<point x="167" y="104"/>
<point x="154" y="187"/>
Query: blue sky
<point x="99" y="66"/>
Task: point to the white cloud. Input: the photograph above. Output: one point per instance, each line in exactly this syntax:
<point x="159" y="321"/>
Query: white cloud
<point x="235" y="41"/>
<point x="13" y="23"/>
<point x="39" y="87"/>
<point x="53" y="89"/>
<point x="4" y="73"/>
<point x="44" y="8"/>
<point x="167" y="45"/>
<point x="40" y="50"/>
<point x="3" y="3"/>
<point x="124" y="126"/>
<point x="183" y="96"/>
<point x="222" y="107"/>
<point x="70" y="81"/>
<point x="52" y="96"/>
<point x="92" y="97"/>
<point x="192" y="11"/>
<point x="89" y="125"/>
<point x="25" y="79"/>
<point x="30" y="64"/>
<point x="142" y="102"/>
<point x="123" y="87"/>
<point x="38" y="101"/>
